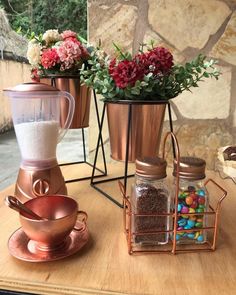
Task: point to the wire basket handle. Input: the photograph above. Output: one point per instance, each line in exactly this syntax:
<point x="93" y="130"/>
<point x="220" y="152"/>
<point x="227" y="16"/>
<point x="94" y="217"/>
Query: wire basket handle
<point x="176" y="154"/>
<point x="219" y="187"/>
<point x="126" y="210"/>
<point x="175" y="145"/>
<point x="122" y="190"/>
<point x="176" y="150"/>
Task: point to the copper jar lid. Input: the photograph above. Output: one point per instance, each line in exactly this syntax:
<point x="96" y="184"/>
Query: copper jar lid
<point x="151" y="167"/>
<point x="190" y="168"/>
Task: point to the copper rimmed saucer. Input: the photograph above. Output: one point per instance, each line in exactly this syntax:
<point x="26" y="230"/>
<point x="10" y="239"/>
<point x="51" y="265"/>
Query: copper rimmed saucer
<point x="21" y="247"/>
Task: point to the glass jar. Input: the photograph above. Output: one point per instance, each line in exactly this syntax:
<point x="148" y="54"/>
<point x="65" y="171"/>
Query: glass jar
<point x="192" y="200"/>
<point x="150" y="196"/>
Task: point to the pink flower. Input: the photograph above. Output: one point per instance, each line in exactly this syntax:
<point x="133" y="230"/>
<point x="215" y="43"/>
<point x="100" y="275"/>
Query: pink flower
<point x="74" y="39"/>
<point x="69" y="53"/>
<point x="49" y="58"/>
<point x="72" y="36"/>
<point x="68" y="34"/>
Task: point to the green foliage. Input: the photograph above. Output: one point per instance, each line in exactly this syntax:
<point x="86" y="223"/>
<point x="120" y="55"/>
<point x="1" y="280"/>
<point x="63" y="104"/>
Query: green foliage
<point x="187" y="76"/>
<point x="26" y="16"/>
<point x="163" y="87"/>
<point x="96" y="75"/>
<point x="21" y="25"/>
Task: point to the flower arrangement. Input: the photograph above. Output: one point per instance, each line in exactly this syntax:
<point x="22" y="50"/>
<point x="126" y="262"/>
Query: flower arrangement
<point x="55" y="53"/>
<point x="149" y="75"/>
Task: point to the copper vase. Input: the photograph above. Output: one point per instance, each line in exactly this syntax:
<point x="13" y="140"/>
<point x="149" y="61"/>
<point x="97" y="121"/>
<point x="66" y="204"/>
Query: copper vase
<point x="82" y="96"/>
<point x="145" y="131"/>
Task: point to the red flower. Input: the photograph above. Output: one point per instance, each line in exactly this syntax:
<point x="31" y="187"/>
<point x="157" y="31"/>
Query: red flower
<point x="126" y="73"/>
<point x="49" y="58"/>
<point x="160" y="60"/>
<point x="144" y="63"/>
<point x="35" y="75"/>
<point x="157" y="61"/>
<point x="84" y="52"/>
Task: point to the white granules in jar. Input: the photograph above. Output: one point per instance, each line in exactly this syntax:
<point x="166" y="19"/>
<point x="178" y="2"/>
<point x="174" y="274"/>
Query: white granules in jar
<point x="37" y="140"/>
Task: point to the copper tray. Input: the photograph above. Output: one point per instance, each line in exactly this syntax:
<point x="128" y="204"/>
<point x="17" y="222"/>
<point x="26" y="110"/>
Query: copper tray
<point x="21" y="247"/>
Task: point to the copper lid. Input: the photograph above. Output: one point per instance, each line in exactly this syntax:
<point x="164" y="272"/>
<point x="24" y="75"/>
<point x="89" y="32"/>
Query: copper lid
<point x="190" y="168"/>
<point x="32" y="87"/>
<point x="151" y="167"/>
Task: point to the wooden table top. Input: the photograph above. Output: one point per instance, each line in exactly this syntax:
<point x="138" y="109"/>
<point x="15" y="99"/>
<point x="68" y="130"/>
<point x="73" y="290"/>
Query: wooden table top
<point x="104" y="266"/>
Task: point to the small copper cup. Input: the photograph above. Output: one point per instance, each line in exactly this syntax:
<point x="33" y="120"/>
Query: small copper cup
<point x="60" y="214"/>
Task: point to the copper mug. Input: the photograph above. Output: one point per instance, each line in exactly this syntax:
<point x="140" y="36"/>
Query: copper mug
<point x="59" y="215"/>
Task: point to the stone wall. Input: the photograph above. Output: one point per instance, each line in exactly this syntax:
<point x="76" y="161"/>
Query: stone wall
<point x="11" y="74"/>
<point x="206" y="118"/>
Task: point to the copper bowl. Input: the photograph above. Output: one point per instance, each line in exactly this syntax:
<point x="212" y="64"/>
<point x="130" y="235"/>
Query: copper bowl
<point x="60" y="213"/>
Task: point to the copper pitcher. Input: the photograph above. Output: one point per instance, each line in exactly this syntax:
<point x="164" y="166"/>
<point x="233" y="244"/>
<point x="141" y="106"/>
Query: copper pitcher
<point x="145" y="132"/>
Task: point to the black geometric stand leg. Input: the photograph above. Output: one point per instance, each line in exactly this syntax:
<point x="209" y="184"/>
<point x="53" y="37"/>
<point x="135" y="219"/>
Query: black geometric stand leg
<point x="101" y="172"/>
<point x="125" y="177"/>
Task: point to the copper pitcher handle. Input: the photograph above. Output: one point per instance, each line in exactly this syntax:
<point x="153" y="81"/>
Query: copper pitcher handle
<point x="70" y="114"/>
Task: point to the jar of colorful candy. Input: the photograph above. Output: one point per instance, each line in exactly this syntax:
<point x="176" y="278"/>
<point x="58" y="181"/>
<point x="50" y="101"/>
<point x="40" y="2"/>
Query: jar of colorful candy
<point x="150" y="197"/>
<point x="192" y="200"/>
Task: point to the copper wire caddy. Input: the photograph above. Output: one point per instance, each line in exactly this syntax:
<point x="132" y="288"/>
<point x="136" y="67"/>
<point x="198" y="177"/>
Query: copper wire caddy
<point x="172" y="247"/>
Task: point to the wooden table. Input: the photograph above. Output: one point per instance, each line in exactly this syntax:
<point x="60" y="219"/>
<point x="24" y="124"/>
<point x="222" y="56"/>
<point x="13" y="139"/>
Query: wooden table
<point x="103" y="266"/>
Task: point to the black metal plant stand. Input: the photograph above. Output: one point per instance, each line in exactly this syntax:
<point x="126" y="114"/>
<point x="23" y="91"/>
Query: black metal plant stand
<point x="125" y="176"/>
<point x="84" y="161"/>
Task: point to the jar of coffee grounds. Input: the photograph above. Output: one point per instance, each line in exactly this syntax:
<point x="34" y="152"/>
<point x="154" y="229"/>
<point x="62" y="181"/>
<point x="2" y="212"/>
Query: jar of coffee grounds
<point x="150" y="195"/>
<point x="193" y="199"/>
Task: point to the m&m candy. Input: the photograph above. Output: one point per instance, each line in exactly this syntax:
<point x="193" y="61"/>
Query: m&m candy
<point x="190" y="202"/>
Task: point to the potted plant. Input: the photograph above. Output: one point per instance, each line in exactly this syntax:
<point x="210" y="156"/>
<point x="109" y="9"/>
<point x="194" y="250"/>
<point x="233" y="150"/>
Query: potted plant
<point x="56" y="59"/>
<point x="146" y="80"/>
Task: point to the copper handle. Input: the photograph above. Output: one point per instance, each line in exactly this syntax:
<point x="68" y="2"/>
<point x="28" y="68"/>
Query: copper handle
<point x="70" y="114"/>
<point x="177" y="156"/>
<point x="122" y="190"/>
<point x="219" y="187"/>
<point x="15" y="204"/>
<point x="83" y="221"/>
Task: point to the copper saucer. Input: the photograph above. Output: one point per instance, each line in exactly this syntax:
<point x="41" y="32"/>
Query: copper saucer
<point x="21" y="247"/>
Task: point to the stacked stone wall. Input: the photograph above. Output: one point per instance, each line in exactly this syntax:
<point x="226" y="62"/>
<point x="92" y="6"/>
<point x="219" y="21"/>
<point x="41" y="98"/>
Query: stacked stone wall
<point x="206" y="118"/>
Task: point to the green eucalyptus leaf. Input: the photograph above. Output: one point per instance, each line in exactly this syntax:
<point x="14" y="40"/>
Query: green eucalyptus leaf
<point x="199" y="70"/>
<point x="135" y="91"/>
<point x="104" y="90"/>
<point x="143" y="83"/>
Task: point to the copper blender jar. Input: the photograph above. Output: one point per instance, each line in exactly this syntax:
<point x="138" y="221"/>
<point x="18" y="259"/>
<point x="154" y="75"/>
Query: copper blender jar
<point x="36" y="118"/>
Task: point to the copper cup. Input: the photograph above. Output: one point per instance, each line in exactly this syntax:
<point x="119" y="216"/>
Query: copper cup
<point x="60" y="215"/>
